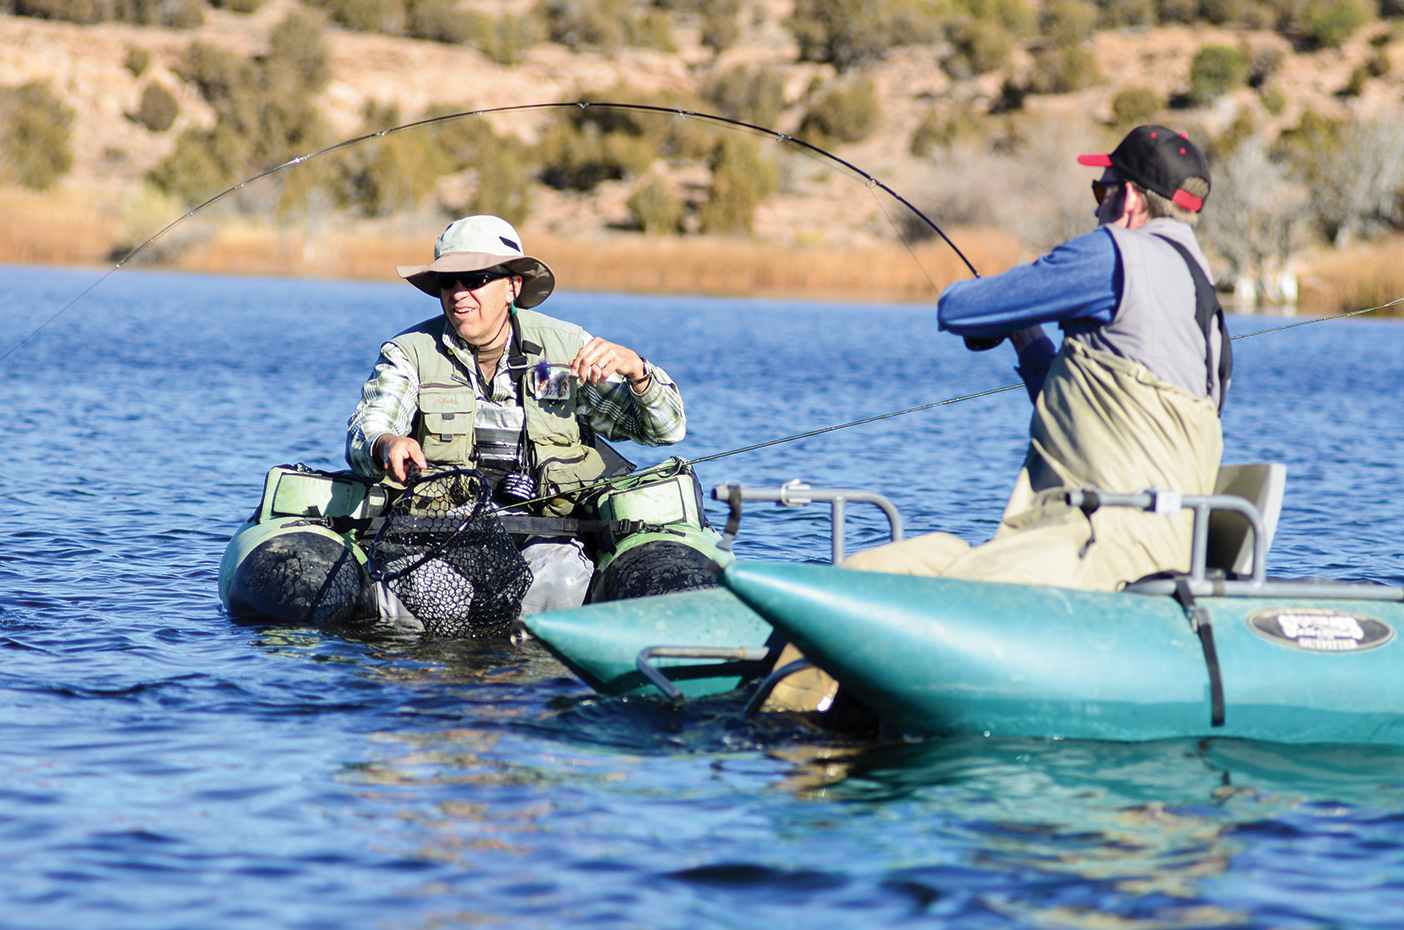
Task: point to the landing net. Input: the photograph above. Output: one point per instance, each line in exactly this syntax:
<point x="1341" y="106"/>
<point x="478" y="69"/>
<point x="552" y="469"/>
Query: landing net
<point x="443" y="552"/>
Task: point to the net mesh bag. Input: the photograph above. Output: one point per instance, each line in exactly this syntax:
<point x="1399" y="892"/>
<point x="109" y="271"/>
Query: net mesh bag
<point x="443" y="552"/>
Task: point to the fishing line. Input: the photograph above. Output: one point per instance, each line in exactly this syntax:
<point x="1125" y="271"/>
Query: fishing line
<point x="1320" y="319"/>
<point x="807" y="148"/>
<point x="1000" y="390"/>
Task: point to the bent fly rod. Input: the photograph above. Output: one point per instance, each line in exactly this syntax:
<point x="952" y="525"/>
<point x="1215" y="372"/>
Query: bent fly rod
<point x="807" y="148"/>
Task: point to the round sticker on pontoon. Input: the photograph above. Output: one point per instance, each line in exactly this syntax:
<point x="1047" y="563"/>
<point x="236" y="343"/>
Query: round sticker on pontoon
<point x="1320" y="629"/>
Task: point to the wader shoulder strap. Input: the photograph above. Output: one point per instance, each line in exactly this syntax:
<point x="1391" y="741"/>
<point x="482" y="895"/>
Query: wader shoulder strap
<point x="1207" y="313"/>
<point x="1199" y="622"/>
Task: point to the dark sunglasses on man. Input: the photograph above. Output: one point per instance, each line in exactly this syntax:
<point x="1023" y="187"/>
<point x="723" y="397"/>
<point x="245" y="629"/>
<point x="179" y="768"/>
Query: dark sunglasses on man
<point x="1101" y="189"/>
<point x="470" y="280"/>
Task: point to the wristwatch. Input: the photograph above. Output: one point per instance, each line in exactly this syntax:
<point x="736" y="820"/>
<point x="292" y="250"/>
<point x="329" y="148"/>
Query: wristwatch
<point x="648" y="372"/>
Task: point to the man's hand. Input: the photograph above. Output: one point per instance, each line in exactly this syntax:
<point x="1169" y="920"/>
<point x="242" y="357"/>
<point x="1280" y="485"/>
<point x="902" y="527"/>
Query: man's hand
<point x="598" y="359"/>
<point x="394" y="452"/>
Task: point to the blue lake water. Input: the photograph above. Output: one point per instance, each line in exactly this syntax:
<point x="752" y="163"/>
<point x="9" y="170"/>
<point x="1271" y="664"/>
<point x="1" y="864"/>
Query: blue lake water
<point x="164" y="767"/>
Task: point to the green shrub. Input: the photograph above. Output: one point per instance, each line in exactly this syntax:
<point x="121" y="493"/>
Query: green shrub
<point x="504" y="180"/>
<point x="34" y="125"/>
<point x="175" y="14"/>
<point x="580" y="157"/>
<point x="978" y="46"/>
<point x="158" y="109"/>
<point x="439" y="21"/>
<point x="1014" y="15"/>
<point x="844" y="114"/>
<point x="1067" y="21"/>
<point x="655" y="208"/>
<point x="1311" y="145"/>
<point x="383" y="16"/>
<point x="507" y="38"/>
<point x="1062" y="69"/>
<point x="1328" y="23"/>
<point x="1263" y="63"/>
<point x="741" y="179"/>
<point x="1227" y="142"/>
<point x="1355" y="84"/>
<point x="1114" y="14"/>
<point x="395" y="173"/>
<point x="265" y="108"/>
<point x="936" y="131"/>
<point x="592" y="144"/>
<point x="1176" y="11"/>
<point x="181" y="14"/>
<point x="751" y="94"/>
<point x="1378" y="64"/>
<point x="1274" y="100"/>
<point x="237" y="6"/>
<point x="576" y="23"/>
<point x="137" y="61"/>
<point x="848" y="33"/>
<point x="297" y="61"/>
<point x="73" y="11"/>
<point x="720" y="28"/>
<point x="650" y="29"/>
<point x="1135" y="105"/>
<point x="1214" y="71"/>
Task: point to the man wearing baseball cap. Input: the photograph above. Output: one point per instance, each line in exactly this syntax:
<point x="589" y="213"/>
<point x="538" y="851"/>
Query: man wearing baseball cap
<point x="1131" y="399"/>
<point x="491" y="384"/>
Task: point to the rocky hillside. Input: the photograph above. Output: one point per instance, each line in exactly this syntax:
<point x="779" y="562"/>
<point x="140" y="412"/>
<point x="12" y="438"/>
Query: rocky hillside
<point x="990" y="150"/>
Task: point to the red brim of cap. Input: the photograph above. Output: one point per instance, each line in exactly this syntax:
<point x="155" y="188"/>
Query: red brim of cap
<point x="1188" y="201"/>
<point x="1095" y="161"/>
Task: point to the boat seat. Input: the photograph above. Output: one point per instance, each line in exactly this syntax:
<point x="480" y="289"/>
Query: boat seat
<point x="1230" y="538"/>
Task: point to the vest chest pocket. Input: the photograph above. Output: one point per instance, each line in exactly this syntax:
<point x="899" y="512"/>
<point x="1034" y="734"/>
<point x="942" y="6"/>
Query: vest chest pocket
<point x="563" y="467"/>
<point x="446" y="424"/>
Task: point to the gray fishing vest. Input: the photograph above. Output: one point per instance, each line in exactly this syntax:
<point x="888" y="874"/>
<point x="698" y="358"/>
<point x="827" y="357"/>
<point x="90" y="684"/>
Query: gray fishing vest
<point x="444" y="422"/>
<point x="1155" y="323"/>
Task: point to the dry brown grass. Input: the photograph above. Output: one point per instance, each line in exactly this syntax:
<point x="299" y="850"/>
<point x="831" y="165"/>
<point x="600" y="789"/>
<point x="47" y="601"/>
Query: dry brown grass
<point x="1356" y="278"/>
<point x="51" y="230"/>
<point x="634" y="264"/>
<point x="71" y="230"/>
<point x="630" y="264"/>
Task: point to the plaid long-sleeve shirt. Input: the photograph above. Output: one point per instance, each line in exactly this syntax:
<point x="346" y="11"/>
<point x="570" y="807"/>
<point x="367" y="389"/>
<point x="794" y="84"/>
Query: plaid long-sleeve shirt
<point x="389" y="402"/>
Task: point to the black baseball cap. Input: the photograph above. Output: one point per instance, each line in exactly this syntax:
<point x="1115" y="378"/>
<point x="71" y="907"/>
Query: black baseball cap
<point x="1158" y="159"/>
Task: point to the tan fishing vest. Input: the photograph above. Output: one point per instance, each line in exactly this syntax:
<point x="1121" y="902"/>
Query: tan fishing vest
<point x="448" y="402"/>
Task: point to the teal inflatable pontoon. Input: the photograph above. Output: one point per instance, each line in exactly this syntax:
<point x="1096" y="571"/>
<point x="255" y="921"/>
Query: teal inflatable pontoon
<point x="1209" y="653"/>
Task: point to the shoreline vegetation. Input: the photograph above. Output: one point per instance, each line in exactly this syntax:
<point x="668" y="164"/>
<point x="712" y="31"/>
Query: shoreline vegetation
<point x="66" y="232"/>
<point x="42" y="233"/>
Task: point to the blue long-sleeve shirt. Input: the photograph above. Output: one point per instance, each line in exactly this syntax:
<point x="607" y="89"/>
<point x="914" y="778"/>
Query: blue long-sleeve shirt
<point x="1078" y="284"/>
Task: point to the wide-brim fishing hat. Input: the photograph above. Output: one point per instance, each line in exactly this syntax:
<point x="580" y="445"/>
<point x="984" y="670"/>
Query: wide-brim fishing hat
<point x="1158" y="159"/>
<point x="476" y="243"/>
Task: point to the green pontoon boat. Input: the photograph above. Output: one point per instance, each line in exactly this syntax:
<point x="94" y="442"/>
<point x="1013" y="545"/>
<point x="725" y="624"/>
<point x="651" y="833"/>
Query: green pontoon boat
<point x="1222" y="650"/>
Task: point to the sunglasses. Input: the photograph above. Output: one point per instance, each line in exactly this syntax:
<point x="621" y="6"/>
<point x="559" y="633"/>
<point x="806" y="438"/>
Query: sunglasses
<point x="469" y="280"/>
<point x="1101" y="189"/>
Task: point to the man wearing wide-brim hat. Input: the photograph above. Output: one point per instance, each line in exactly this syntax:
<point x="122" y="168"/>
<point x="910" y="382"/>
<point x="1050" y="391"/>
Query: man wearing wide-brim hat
<point x="519" y="395"/>
<point x="1129" y="402"/>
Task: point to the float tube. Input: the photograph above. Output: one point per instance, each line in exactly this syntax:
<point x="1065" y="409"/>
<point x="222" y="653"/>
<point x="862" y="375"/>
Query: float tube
<point x="302" y="557"/>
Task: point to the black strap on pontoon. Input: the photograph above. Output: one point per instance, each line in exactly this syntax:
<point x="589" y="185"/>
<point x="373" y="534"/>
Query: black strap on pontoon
<point x="733" y="517"/>
<point x="1199" y="622"/>
<point x="1207" y="312"/>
